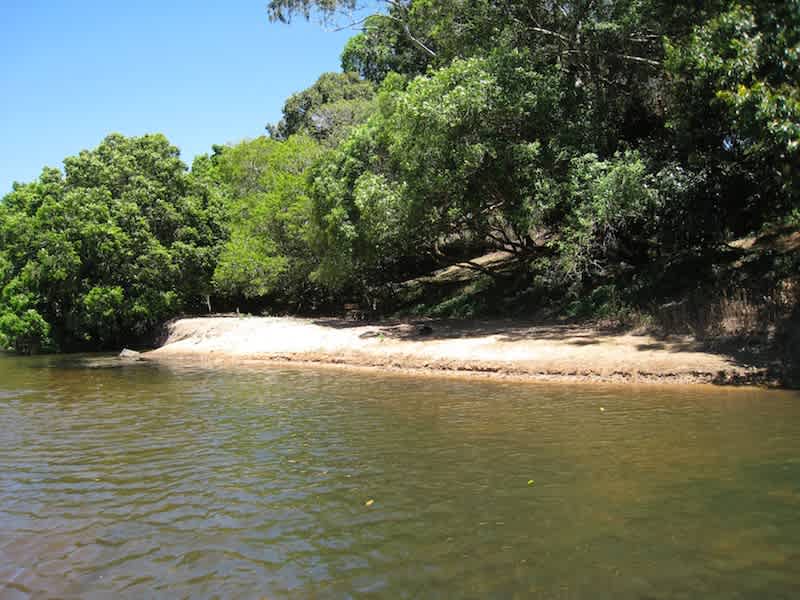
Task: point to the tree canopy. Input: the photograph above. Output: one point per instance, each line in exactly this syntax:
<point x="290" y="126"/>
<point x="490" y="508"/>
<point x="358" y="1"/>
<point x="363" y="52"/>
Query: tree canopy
<point x="121" y="241"/>
<point x="326" y="110"/>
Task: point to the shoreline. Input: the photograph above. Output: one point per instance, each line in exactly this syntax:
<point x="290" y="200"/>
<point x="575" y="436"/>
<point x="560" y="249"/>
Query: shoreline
<point x="504" y="350"/>
<point x="760" y="381"/>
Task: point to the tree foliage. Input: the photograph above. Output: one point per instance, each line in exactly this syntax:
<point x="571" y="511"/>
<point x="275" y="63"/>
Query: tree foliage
<point x="268" y="251"/>
<point x="737" y="109"/>
<point x="105" y="252"/>
<point x="327" y="109"/>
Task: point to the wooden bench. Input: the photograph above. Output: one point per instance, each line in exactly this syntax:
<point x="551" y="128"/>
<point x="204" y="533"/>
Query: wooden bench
<point x="354" y="312"/>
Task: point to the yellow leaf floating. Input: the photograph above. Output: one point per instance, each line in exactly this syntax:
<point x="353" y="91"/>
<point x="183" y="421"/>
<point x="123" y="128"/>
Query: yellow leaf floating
<point x="369" y="502"/>
<point x="530" y="481"/>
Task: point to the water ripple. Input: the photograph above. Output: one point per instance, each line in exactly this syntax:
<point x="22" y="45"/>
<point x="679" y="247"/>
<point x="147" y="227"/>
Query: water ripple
<point x="172" y="482"/>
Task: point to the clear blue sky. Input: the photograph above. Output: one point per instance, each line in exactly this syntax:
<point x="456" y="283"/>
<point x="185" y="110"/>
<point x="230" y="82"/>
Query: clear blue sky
<point x="200" y="71"/>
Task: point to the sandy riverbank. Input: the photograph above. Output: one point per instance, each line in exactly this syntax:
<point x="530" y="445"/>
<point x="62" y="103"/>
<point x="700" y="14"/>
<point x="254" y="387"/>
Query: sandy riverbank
<point x="488" y="348"/>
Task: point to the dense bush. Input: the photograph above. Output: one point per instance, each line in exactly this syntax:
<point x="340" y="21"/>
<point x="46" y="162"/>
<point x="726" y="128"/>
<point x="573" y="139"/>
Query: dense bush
<point x="102" y="253"/>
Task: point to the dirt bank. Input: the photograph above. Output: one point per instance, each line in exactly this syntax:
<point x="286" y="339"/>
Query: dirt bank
<point x="490" y="348"/>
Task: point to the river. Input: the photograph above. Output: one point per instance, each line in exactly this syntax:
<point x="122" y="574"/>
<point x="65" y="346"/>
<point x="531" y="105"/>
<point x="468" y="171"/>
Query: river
<point x="144" y="480"/>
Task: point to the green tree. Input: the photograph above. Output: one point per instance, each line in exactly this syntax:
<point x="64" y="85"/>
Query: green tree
<point x="327" y="109"/>
<point x="736" y="112"/>
<point x="268" y="254"/>
<point x="462" y="155"/>
<point x="107" y="251"/>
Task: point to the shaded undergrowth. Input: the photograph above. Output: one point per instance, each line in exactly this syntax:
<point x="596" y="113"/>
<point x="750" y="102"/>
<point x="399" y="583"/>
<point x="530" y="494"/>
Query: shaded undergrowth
<point x="741" y="300"/>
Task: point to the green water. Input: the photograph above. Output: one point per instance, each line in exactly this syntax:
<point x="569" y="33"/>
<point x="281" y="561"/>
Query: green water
<point x="153" y="481"/>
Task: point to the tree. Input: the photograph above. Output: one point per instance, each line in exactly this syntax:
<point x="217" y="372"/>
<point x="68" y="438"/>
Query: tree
<point x="486" y="153"/>
<point x="268" y="253"/>
<point x="107" y="251"/>
<point x="736" y="111"/>
<point x="382" y="47"/>
<point x="203" y="234"/>
<point x="327" y="109"/>
<point x="399" y="12"/>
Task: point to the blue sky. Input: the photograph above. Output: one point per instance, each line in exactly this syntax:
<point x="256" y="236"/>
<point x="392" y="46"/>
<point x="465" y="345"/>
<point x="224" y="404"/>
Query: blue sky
<point x="200" y="71"/>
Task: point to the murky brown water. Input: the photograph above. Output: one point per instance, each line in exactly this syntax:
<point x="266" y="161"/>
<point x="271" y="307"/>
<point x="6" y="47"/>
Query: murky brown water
<point x="149" y="481"/>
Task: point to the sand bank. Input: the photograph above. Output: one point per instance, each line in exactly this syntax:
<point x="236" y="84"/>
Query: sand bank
<point x="489" y="348"/>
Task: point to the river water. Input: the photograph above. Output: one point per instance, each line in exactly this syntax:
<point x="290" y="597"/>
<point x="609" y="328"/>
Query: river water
<point x="144" y="481"/>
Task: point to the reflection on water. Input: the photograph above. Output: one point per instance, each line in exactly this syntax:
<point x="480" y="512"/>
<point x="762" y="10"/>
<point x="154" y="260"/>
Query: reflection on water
<point x="144" y="481"/>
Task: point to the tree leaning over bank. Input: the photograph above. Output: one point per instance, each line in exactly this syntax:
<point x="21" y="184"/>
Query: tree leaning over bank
<point x="618" y="144"/>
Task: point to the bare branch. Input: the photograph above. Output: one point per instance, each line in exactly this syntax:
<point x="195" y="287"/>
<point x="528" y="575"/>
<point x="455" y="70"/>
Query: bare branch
<point x="638" y="59"/>
<point x="555" y="34"/>
<point x="348" y="26"/>
<point x="473" y="266"/>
